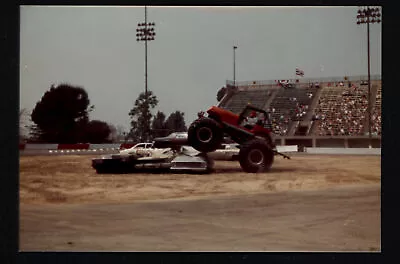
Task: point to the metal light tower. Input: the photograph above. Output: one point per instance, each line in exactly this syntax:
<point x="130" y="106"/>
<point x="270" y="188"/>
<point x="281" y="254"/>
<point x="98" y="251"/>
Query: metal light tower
<point x="234" y="65"/>
<point x="368" y="16"/>
<point x="145" y="32"/>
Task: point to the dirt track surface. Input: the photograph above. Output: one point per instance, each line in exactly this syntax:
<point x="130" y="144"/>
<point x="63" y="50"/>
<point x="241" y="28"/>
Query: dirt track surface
<point x="309" y="203"/>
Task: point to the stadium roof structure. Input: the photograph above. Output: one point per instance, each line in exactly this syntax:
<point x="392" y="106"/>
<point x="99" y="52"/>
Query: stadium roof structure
<point x="306" y="80"/>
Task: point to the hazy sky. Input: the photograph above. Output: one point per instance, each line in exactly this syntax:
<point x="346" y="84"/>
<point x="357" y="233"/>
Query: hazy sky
<point x="191" y="57"/>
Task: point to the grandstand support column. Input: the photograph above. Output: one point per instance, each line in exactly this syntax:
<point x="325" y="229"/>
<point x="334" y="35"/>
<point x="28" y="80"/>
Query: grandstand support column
<point x="346" y="142"/>
<point x="314" y="142"/>
<point x="270" y="99"/>
<point x="366" y="16"/>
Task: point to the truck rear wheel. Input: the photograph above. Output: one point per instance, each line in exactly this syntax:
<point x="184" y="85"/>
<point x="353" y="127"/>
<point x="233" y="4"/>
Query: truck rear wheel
<point x="256" y="156"/>
<point x="267" y="139"/>
<point x="205" y="135"/>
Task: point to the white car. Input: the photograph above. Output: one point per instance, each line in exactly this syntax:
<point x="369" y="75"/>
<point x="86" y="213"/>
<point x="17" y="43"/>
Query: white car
<point x="135" y="148"/>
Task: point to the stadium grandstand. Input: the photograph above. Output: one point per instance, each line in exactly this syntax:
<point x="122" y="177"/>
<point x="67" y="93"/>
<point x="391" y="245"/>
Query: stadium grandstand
<point x="312" y="107"/>
<point x="377" y="114"/>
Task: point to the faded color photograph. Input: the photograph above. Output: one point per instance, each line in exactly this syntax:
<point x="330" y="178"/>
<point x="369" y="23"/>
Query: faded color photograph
<point x="176" y="128"/>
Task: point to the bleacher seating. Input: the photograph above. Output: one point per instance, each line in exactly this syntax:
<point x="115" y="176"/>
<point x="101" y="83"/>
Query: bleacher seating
<point x="377" y="114"/>
<point x="240" y="99"/>
<point x="290" y="105"/>
<point x="341" y="111"/>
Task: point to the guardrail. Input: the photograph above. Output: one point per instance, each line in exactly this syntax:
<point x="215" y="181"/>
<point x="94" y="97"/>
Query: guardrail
<point x="90" y="149"/>
<point x="77" y="147"/>
<point x="40" y="152"/>
<point x="329" y="141"/>
<point x="344" y="151"/>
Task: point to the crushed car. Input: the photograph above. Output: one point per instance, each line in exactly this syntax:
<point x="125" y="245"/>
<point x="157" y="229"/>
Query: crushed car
<point x="172" y="156"/>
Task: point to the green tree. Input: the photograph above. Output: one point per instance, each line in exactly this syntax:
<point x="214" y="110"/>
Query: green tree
<point x="176" y="122"/>
<point x="61" y="115"/>
<point x="158" y="125"/>
<point x="141" y="116"/>
<point x="97" y="132"/>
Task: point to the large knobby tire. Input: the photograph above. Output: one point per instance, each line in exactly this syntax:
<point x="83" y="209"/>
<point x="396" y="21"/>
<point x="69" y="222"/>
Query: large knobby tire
<point x="205" y="135"/>
<point x="267" y="139"/>
<point x="256" y="156"/>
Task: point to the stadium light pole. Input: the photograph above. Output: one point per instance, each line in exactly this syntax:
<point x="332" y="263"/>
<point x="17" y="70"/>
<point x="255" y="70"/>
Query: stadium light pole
<point x="145" y="32"/>
<point x="234" y="65"/>
<point x="368" y="15"/>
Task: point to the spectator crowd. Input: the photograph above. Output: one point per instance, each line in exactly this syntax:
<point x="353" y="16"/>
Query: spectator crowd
<point x="289" y="105"/>
<point x="377" y="115"/>
<point x="342" y="115"/>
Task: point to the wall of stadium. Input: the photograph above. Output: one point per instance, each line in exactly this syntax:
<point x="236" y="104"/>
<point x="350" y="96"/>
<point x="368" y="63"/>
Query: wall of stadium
<point x="301" y="141"/>
<point x="329" y="142"/>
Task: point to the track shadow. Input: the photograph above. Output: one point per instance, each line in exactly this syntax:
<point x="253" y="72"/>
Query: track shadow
<point x="133" y="171"/>
<point x="239" y="170"/>
<point x="282" y="169"/>
<point x="149" y="172"/>
<point x="167" y="171"/>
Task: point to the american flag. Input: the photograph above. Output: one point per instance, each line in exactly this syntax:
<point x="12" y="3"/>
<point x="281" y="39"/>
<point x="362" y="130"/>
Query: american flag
<point x="299" y="72"/>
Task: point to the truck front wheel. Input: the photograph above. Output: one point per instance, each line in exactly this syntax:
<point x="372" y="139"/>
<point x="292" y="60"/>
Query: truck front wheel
<point x="205" y="135"/>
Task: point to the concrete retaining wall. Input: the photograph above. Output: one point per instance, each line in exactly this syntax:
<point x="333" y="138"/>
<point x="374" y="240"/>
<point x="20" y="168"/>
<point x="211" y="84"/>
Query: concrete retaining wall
<point x="41" y="146"/>
<point x="293" y="148"/>
<point x="81" y="149"/>
<point x="104" y="146"/>
<point x="344" y="151"/>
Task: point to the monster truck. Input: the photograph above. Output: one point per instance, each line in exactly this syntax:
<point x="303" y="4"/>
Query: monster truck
<point x="257" y="148"/>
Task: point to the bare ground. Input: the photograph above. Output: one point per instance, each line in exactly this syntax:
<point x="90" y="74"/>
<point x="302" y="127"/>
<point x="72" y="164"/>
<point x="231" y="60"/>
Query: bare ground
<point x="305" y="204"/>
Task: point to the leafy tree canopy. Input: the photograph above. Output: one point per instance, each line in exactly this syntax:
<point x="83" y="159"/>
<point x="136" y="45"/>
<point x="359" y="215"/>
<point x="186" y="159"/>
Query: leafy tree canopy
<point x="158" y="125"/>
<point x="61" y="114"/>
<point x="141" y="116"/>
<point x="97" y="131"/>
<point x="176" y="122"/>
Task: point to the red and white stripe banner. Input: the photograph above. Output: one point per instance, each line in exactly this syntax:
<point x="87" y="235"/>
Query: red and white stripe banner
<point x="73" y="146"/>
